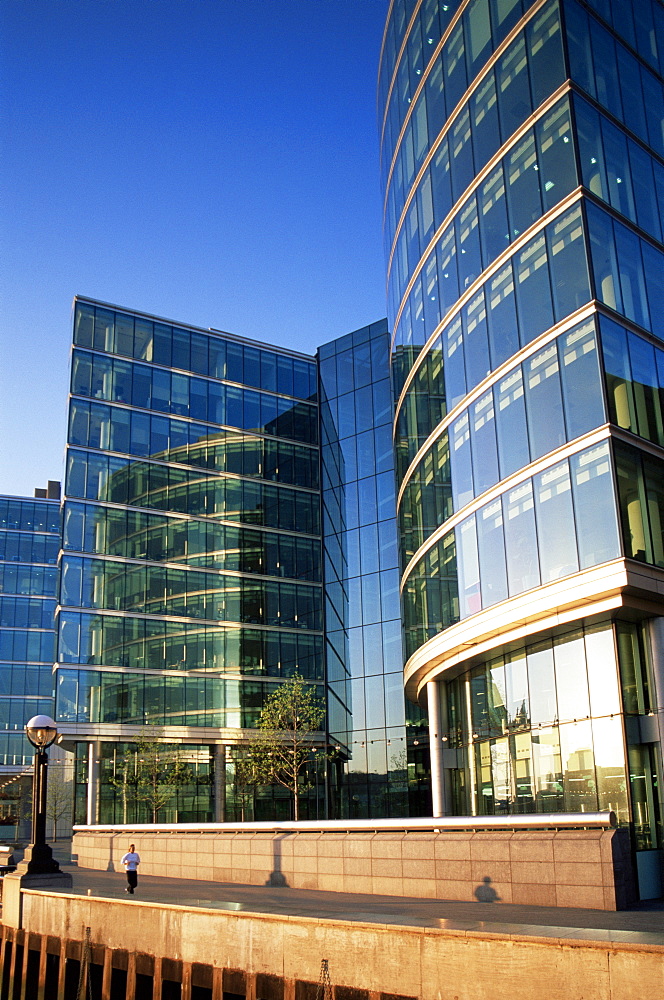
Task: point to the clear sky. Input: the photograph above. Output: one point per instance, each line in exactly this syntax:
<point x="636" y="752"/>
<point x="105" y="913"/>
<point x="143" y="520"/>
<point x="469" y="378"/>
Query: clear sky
<point x="210" y="161"/>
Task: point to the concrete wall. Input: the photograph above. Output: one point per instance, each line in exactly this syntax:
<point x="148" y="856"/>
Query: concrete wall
<point x="273" y="957"/>
<point x="582" y="868"/>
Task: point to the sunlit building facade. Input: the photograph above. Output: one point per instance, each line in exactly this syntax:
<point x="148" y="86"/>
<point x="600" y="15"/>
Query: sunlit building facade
<point x="522" y="158"/>
<point x="191" y="555"/>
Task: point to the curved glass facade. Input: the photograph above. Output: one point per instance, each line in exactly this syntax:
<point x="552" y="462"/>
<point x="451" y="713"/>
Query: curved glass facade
<point x="522" y="157"/>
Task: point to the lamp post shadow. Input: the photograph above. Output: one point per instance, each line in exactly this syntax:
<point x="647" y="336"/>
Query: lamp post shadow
<point x="277" y="879"/>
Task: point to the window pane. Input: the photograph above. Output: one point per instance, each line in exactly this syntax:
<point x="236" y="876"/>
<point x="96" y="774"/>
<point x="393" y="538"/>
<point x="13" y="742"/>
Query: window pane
<point x="636" y="536"/>
<point x="542" y="685"/>
<point x="602" y="671"/>
<point x="557" y="166"/>
<point x="462" y="475"/>
<point x="646" y="390"/>
<point x="546" y="429"/>
<point x="461" y="153"/>
<point x="533" y="290"/>
<point x="491" y="544"/>
<point x="514" y="102"/>
<point x="475" y="340"/>
<point x="494" y="226"/>
<point x="618" y="171"/>
<point x="632" y="284"/>
<point x="545" y="53"/>
<point x="484" y="115"/>
<point x="606" y="80"/>
<point x="653" y="265"/>
<point x="591" y="150"/>
<point x="594" y="506"/>
<point x="579" y="781"/>
<point x="468" y="568"/>
<point x="582" y="388"/>
<point x="503" y="327"/>
<point x="610" y="767"/>
<point x="523" y="191"/>
<point x="468" y="243"/>
<point x="513" y="448"/>
<point x="454" y="370"/>
<point x="483" y="443"/>
<point x="645" y="193"/>
<point x="520" y="539"/>
<point x="569" y="267"/>
<point x="555" y="523"/>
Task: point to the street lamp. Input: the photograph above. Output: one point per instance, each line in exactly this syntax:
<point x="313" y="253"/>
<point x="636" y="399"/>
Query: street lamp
<point x="38" y="859"/>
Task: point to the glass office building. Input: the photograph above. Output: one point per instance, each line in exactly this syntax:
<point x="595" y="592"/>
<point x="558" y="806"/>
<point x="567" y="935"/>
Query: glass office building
<point x="191" y="556"/>
<point x="522" y="159"/>
<point x="192" y="573"/>
<point x="29" y="546"/>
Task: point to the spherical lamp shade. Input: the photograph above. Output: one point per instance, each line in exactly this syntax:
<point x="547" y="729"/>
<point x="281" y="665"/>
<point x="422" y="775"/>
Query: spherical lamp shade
<point x="41" y="731"/>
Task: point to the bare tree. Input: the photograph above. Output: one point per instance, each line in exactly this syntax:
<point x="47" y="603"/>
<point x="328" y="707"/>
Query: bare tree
<point x="150" y="771"/>
<point x="59" y="797"/>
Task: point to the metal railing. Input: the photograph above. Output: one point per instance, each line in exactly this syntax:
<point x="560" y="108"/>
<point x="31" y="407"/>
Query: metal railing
<point x="532" y="821"/>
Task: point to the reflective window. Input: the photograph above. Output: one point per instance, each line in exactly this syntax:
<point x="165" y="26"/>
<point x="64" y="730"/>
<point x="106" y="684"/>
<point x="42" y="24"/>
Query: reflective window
<point x="513" y="450"/>
<point x="546" y="428"/>
<point x="483" y="443"/>
<point x="503" y="327"/>
<point x="555" y="523"/>
<point x="533" y="290"/>
<point x="461" y="462"/>
<point x="520" y="539"/>
<point x="491" y="546"/>
<point x="594" y="506"/>
<point x="581" y="384"/>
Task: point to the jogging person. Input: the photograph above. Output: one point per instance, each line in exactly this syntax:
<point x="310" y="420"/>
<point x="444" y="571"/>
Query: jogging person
<point x="131" y="861"/>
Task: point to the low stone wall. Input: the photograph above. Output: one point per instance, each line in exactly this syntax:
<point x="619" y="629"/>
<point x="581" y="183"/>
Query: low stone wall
<point x="588" y="868"/>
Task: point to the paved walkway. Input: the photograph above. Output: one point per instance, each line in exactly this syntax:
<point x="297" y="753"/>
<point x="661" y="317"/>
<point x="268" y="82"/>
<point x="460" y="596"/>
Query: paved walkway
<point x="643" y="925"/>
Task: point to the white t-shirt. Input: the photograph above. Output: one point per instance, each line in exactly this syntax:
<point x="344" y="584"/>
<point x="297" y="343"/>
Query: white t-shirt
<point x="131" y="861"/>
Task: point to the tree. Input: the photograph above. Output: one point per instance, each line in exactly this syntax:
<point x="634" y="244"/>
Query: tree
<point x="160" y="772"/>
<point x="59" y="797"/>
<point x="151" y="771"/>
<point x="125" y="775"/>
<point x="247" y="775"/>
<point x="285" y="741"/>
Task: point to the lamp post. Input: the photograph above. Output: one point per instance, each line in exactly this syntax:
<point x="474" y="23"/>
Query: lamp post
<point x="38" y="859"/>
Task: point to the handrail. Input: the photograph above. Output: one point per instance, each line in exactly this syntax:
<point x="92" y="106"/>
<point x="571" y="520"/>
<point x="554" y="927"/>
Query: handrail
<point x="532" y="821"/>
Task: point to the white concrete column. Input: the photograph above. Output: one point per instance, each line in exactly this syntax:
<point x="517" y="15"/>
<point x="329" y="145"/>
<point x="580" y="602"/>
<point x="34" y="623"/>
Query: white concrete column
<point x="436" y="748"/>
<point x="219" y="765"/>
<point x="94" y="755"/>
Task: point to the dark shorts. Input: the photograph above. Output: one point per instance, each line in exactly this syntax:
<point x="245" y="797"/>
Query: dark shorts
<point x="132" y="879"/>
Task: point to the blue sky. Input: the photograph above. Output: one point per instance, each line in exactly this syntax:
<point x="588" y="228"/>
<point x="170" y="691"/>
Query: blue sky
<point x="210" y="161"/>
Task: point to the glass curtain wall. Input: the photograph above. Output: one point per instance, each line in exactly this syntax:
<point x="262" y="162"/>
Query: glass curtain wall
<point x="522" y="157"/>
<point x="29" y="545"/>
<point x="190" y="574"/>
<point x="382" y="739"/>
